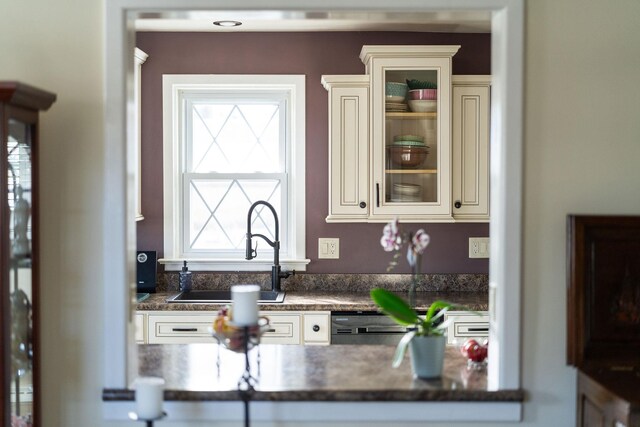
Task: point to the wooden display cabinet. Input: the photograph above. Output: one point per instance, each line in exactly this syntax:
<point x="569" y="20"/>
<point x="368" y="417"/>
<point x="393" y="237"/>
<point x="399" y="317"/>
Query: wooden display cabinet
<point x="603" y="318"/>
<point x="20" y="105"/>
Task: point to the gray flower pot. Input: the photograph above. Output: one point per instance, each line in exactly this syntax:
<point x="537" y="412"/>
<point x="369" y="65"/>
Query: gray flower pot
<point x="427" y="356"/>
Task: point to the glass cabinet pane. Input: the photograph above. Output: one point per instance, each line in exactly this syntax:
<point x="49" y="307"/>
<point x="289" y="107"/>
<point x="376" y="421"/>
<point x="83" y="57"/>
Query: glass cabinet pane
<point x="411" y="136"/>
<point x="19" y="194"/>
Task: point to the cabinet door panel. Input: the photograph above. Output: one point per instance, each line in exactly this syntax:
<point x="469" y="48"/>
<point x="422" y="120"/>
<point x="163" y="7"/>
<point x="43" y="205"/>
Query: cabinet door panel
<point x="471" y="104"/>
<point x="348" y="147"/>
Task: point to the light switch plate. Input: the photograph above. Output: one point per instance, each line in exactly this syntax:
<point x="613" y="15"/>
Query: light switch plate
<point x="478" y="247"/>
<point x="328" y="248"/>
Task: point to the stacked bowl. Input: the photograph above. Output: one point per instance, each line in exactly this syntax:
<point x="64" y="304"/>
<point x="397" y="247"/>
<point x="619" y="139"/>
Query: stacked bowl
<point x="423" y="100"/>
<point x="408" y="151"/>
<point x="395" y="94"/>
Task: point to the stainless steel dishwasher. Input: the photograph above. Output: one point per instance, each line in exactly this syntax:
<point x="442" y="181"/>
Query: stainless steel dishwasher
<point x="362" y="327"/>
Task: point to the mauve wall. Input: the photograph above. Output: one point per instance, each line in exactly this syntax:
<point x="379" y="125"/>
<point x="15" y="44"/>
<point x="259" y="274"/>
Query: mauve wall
<point x="311" y="54"/>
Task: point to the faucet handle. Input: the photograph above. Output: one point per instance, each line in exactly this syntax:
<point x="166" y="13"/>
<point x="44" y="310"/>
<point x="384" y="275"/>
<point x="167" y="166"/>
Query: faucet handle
<point x="251" y="253"/>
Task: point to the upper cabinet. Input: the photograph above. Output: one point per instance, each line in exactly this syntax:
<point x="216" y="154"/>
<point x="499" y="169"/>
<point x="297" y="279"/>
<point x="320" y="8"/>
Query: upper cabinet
<point x="408" y="139"/>
<point x="348" y="147"/>
<point x="136" y="116"/>
<point x="470" y="131"/>
<point x="411" y="131"/>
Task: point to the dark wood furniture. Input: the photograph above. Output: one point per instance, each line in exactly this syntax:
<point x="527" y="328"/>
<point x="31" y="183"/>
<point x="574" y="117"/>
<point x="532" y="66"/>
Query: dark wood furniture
<point x="20" y="105"/>
<point x="603" y="318"/>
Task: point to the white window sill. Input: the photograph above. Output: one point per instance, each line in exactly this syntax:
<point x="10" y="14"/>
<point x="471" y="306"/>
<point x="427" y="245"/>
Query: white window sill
<point x="209" y="264"/>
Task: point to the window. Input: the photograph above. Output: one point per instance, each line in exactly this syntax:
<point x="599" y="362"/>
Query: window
<point x="231" y="140"/>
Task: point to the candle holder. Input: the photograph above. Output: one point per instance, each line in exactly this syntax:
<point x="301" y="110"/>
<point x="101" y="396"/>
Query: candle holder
<point x="133" y="416"/>
<point x="240" y="339"/>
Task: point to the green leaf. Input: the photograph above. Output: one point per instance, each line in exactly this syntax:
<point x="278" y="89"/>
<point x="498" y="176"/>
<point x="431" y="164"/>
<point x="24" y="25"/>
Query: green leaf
<point x="401" y="349"/>
<point x="434" y="308"/>
<point x="394" y="307"/>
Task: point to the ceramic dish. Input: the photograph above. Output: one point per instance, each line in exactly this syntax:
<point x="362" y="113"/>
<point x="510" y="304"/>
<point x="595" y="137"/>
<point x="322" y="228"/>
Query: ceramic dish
<point x="407" y="156"/>
<point x="423" y="105"/>
<point x="408" y="138"/>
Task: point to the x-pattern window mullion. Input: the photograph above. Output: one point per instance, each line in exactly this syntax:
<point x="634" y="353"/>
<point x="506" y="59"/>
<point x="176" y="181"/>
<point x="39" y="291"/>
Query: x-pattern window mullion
<point x="214" y="138"/>
<point x="212" y="212"/>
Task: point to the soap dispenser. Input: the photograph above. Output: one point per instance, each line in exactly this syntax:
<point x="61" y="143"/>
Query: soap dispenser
<point x="185" y="279"/>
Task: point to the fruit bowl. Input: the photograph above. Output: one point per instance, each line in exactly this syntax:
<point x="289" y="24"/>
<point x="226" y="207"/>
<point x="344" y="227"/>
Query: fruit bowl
<point x="233" y="336"/>
<point x="407" y="156"/>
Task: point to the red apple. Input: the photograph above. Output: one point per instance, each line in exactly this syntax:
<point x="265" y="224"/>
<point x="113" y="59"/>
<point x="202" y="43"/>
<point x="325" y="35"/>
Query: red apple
<point x="468" y="345"/>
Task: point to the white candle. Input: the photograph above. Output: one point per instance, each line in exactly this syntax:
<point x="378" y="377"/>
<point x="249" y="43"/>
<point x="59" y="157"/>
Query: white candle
<point x="149" y="397"/>
<point x="245" y="304"/>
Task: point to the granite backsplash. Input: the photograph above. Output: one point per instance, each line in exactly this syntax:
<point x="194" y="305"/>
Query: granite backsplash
<point x="304" y="282"/>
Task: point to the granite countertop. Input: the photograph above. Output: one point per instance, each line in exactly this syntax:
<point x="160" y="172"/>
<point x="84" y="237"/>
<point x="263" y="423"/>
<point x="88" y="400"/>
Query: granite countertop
<point x="323" y="301"/>
<point x="208" y="372"/>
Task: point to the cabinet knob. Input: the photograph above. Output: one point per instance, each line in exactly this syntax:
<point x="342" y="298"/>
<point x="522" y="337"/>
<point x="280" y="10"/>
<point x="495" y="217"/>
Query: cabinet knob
<point x="316" y="328"/>
<point x="363" y="205"/>
<point x="457" y="204"/>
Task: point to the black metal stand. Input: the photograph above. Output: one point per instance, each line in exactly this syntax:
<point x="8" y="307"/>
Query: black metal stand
<point x="247" y="382"/>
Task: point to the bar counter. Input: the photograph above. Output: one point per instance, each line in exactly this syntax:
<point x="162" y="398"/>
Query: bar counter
<point x="209" y="372"/>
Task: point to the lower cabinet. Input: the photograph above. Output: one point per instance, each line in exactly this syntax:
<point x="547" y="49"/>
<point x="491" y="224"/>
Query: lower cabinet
<point x="285" y="327"/>
<point x="463" y="325"/>
<point x="608" y="399"/>
<point x="140" y="326"/>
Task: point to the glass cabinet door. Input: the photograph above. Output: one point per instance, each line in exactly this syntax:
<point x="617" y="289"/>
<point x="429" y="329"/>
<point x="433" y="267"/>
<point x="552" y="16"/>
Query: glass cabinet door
<point x="411" y="137"/>
<point x="19" y="200"/>
<point x="411" y="131"/>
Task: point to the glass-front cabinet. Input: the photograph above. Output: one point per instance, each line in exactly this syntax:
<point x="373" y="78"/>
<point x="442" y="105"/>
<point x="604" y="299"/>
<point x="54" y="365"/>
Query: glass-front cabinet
<point x="19" y="358"/>
<point x="410" y="110"/>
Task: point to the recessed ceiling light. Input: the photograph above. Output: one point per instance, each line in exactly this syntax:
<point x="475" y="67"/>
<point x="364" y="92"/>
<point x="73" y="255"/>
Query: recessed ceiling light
<point x="227" y="23"/>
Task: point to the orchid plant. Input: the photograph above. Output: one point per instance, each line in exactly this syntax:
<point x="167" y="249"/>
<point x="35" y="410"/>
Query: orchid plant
<point x="393" y="240"/>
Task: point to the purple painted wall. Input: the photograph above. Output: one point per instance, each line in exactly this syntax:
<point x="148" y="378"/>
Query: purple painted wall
<point x="311" y="54"/>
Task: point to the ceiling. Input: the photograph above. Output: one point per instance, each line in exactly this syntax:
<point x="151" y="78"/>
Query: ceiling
<point x="272" y="21"/>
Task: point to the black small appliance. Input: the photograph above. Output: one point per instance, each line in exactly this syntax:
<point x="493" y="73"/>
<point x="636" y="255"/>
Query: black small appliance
<point x="146" y="262"/>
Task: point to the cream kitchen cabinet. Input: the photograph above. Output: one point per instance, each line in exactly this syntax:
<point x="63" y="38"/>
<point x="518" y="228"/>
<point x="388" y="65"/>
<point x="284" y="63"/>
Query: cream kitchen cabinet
<point x="348" y="147"/>
<point x="285" y="327"/>
<point x="470" y="135"/>
<point x="366" y="183"/>
<point x="463" y="325"/>
<point x="316" y="328"/>
<point x="413" y="192"/>
<point x="140" y="328"/>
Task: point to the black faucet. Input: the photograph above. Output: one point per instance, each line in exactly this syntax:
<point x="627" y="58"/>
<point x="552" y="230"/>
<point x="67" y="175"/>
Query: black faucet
<point x="276" y="273"/>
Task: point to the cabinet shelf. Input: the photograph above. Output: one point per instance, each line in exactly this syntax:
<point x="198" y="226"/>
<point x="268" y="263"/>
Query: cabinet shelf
<point x="411" y="171"/>
<point x="411" y="116"/>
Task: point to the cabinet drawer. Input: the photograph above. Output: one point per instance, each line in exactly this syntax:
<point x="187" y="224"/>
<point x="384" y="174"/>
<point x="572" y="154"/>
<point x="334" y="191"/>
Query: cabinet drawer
<point x="180" y="329"/>
<point x="283" y="329"/>
<point x="465" y="325"/>
<point x="316" y="328"/>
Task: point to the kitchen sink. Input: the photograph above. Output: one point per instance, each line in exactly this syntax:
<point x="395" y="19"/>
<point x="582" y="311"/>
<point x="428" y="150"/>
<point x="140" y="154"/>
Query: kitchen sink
<point x="218" y="296"/>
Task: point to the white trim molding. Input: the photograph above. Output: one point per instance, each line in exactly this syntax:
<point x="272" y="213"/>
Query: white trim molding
<point x="506" y="191"/>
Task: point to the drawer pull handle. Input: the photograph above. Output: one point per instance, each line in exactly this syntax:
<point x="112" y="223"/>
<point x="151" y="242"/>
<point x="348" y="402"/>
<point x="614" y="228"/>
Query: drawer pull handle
<point x="185" y="329"/>
<point x="271" y="330"/>
<point x="316" y="328"/>
<point x="478" y="329"/>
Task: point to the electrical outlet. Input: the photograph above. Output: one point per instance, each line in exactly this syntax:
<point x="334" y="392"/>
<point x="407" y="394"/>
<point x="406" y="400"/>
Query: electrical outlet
<point x="478" y="247"/>
<point x="328" y="248"/>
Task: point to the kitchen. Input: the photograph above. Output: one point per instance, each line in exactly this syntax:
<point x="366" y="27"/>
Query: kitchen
<point x="565" y="167"/>
<point x="314" y="55"/>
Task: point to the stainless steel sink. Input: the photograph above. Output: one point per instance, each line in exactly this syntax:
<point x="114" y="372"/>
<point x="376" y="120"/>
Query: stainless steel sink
<point x="217" y="297"/>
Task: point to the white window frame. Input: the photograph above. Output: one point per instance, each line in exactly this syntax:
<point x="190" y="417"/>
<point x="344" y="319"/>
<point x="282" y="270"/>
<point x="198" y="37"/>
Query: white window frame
<point x="176" y="88"/>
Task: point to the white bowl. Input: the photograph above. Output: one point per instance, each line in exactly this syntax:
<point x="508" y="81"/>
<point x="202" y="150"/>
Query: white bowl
<point x="394" y="98"/>
<point x="423" y="105"/>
